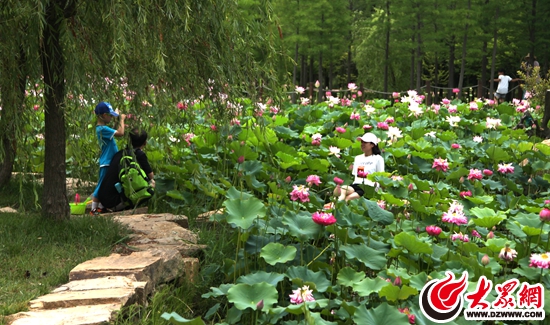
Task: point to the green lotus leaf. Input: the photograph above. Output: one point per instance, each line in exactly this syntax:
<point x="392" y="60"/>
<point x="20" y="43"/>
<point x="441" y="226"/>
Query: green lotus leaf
<point x="301" y="225"/>
<point x="233" y="193"/>
<point x="174" y="318"/>
<point x="368" y="286"/>
<point x="301" y="275"/>
<point x="242" y="213"/>
<point x="318" y="165"/>
<point x="384" y="314"/>
<point x="493" y="185"/>
<point x="376" y="213"/>
<point x="248" y="296"/>
<point x="531" y="231"/>
<point x="398" y="152"/>
<point x="285" y="132"/>
<point x="218" y="291"/>
<point x="274" y="253"/>
<point x="484" y="199"/>
<point x="348" y="277"/>
<point x="287" y="161"/>
<point x="412" y="244"/>
<point x="418" y="281"/>
<point x="394" y="293"/>
<point x="373" y="259"/>
<point x="496" y="244"/>
<point x="271" y="278"/>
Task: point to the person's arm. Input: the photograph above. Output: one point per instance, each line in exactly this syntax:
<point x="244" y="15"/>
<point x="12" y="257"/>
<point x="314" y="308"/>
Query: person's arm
<point x="380" y="165"/>
<point x="120" y="131"/>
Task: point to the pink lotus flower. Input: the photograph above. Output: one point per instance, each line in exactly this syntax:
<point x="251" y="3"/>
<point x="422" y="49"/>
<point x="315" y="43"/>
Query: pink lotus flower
<point x="452" y="109"/>
<point x="507" y="254"/>
<point x="317" y="84"/>
<point x="433" y="230"/>
<point x="505" y="168"/>
<point x="410" y="187"/>
<point x="542" y="261"/>
<point x="300" y="192"/>
<point x="315" y="142"/>
<point x="545" y="215"/>
<point x="367" y="127"/>
<point x="475" y="174"/>
<point x="456" y="90"/>
<point x="485" y="260"/>
<point x="460" y="236"/>
<point x="473" y="106"/>
<point x="352" y="86"/>
<point x="455" y="214"/>
<point x="340" y="130"/>
<point x="240" y="160"/>
<point x="546" y="201"/>
<point x="382" y="125"/>
<point x="313" y="179"/>
<point x="475" y="233"/>
<point x="445" y="101"/>
<point x="490" y="235"/>
<point x="338" y="181"/>
<point x="182" y="106"/>
<point x="465" y="194"/>
<point x="395" y="95"/>
<point x="301" y="294"/>
<point x="300" y="90"/>
<point x="455" y="146"/>
<point x="323" y="218"/>
<point x="390" y="120"/>
<point x="487" y="172"/>
<point x="213" y="128"/>
<point x="359" y="93"/>
<point x="436" y="108"/>
<point x="362" y="174"/>
<point x="355" y="116"/>
<point x="381" y="204"/>
<point x="440" y="164"/>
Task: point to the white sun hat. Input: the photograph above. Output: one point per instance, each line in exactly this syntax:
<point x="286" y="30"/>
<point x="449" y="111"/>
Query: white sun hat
<point x="369" y="137"/>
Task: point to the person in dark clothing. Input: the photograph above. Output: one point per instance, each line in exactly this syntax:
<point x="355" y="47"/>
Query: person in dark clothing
<point x="108" y="194"/>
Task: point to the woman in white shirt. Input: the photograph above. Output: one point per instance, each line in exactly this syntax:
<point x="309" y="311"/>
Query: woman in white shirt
<point x="369" y="162"/>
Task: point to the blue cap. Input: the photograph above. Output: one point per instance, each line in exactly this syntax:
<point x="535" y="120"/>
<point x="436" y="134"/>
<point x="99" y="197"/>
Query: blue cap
<point x="103" y="108"/>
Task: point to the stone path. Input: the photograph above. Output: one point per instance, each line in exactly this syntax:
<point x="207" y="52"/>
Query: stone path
<point x="161" y="249"/>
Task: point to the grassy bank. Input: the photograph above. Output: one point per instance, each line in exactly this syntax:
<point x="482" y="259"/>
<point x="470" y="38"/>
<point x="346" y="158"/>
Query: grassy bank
<point x="36" y="254"/>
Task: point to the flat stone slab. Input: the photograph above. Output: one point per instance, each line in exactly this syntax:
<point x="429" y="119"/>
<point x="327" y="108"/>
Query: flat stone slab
<point x="8" y="210"/>
<point x="65" y="299"/>
<point x="159" y="226"/>
<point x="154" y="266"/>
<point x="81" y="315"/>
<point x="185" y="249"/>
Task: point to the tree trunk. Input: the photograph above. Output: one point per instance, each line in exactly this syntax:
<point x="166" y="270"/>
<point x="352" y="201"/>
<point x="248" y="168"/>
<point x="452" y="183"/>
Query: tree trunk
<point x="295" y="72"/>
<point x="13" y="99"/>
<point x="463" y="63"/>
<point x="387" y="47"/>
<point x="321" y="77"/>
<point x="54" y="202"/>
<point x="532" y="32"/>
<point x="484" y="64"/>
<point x="494" y="57"/>
<point x="303" y="70"/>
<point x="451" y="66"/>
<point x="411" y="85"/>
<point x="418" y="51"/>
<point x="436" y="78"/>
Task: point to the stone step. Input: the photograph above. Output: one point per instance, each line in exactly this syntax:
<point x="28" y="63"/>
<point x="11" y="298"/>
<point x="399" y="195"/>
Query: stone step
<point x="81" y="315"/>
<point x="155" y="266"/>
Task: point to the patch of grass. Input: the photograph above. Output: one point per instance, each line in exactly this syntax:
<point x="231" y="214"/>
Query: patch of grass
<point x="22" y="193"/>
<point x="37" y="254"/>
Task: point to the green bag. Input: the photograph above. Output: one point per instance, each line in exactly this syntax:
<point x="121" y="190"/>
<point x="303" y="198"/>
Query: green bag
<point x="135" y="183"/>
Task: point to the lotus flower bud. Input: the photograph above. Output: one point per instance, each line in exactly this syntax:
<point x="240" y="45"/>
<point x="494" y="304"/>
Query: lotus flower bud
<point x="545" y="215"/>
<point x="260" y="305"/>
<point x="397" y="281"/>
<point x="485" y="259"/>
<point x="490" y="235"/>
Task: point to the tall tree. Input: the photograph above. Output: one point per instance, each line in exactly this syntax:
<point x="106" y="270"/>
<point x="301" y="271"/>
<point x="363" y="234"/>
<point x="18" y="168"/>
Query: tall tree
<point x="145" y="43"/>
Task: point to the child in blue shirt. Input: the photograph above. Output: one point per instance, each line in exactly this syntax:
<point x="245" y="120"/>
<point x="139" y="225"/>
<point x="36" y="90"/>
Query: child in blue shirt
<point x="105" y="135"/>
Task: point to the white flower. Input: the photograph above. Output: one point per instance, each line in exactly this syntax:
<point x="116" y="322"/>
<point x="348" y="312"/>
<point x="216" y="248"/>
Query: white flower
<point x="173" y="139"/>
<point x="352" y="86"/>
<point x="316" y="136"/>
<point x="493" y="123"/>
<point x="300" y="90"/>
<point x="394" y="133"/>
<point x="369" y="109"/>
<point x="453" y="120"/>
<point x="415" y="109"/>
<point x="334" y="151"/>
<point x="478" y="139"/>
<point x="430" y="134"/>
<point x="304" y="101"/>
<point x="333" y="101"/>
